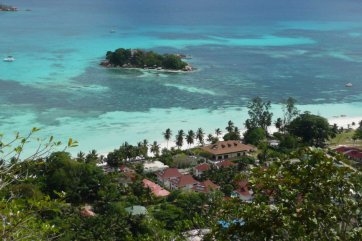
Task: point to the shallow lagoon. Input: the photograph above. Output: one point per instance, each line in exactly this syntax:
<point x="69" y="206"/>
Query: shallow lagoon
<point x="242" y="49"/>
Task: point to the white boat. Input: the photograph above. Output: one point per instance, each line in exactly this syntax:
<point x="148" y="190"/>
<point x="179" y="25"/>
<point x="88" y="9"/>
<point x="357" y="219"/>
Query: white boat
<point x="349" y="85"/>
<point x="9" y="59"/>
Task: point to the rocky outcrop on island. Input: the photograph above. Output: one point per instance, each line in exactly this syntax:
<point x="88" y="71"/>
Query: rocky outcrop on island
<point x="136" y="58"/>
<point x="6" y="8"/>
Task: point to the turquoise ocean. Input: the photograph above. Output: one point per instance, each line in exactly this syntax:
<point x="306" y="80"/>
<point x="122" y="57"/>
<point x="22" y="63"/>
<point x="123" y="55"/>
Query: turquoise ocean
<point x="274" y="49"/>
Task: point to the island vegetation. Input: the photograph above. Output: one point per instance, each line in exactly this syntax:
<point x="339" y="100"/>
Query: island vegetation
<point x="7" y="8"/>
<point x="300" y="189"/>
<point x="135" y="58"/>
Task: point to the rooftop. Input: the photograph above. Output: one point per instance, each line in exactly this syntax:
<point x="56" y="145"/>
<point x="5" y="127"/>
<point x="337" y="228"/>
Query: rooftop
<point x="225" y="147"/>
<point x="203" y="167"/>
<point x="169" y="172"/>
<point x="205" y="186"/>
<point x="226" y="164"/>
<point x="184" y="180"/>
<point x="155" y="188"/>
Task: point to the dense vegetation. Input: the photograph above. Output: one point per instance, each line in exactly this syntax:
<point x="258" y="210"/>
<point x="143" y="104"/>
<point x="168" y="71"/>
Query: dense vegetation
<point x="144" y="59"/>
<point x="4" y="7"/>
<point x="300" y="192"/>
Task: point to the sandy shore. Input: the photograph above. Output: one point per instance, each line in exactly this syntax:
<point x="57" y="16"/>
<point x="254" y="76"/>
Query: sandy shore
<point x="341" y="121"/>
<point x="345" y="121"/>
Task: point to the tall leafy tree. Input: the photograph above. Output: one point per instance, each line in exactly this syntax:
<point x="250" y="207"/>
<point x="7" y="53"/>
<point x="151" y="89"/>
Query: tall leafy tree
<point x="313" y="130"/>
<point x="290" y="111"/>
<point x="259" y="114"/>
<point x="180" y="138"/>
<point x="155" y="148"/>
<point x="190" y="137"/>
<point x="358" y="134"/>
<point x="279" y="124"/>
<point x="167" y="135"/>
<point x="200" y="136"/>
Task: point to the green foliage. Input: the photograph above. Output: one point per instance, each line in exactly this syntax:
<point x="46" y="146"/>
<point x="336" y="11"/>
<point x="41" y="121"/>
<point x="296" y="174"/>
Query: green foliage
<point x="254" y="136"/>
<point x="232" y="136"/>
<point x="80" y="181"/>
<point x="312" y="129"/>
<point x="310" y="199"/>
<point x="358" y="133"/>
<point x="25" y="218"/>
<point x="259" y="114"/>
<point x="140" y="59"/>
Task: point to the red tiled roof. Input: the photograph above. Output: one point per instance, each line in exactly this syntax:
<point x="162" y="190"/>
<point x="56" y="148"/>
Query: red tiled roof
<point x="205" y="186"/>
<point x="169" y="172"/>
<point x="184" y="180"/>
<point x="226" y="164"/>
<point x="225" y="147"/>
<point x="203" y="167"/>
<point x="343" y="149"/>
<point x="155" y="188"/>
<point x="354" y="154"/>
<point x="243" y="192"/>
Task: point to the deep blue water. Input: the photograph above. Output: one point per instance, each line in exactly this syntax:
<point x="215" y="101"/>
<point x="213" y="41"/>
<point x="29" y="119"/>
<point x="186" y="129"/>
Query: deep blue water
<point x="274" y="49"/>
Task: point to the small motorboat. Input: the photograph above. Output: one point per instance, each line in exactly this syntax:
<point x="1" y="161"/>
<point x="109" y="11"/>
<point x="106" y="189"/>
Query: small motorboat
<point x="349" y="85"/>
<point x="9" y="59"/>
<point x="112" y="31"/>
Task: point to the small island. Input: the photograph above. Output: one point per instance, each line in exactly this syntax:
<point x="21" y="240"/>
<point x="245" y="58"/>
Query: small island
<point x="6" y="8"/>
<point x="136" y="58"/>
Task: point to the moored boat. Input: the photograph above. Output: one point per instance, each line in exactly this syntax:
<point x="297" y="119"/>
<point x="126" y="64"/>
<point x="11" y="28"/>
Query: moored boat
<point x="9" y="59"/>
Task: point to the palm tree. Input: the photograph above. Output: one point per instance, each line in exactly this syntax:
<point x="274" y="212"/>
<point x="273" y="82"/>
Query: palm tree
<point x="210" y="138"/>
<point x="92" y="156"/>
<point x="81" y="156"/>
<point x="230" y="127"/>
<point x="167" y="135"/>
<point x="180" y="138"/>
<point x="200" y="136"/>
<point x="218" y="132"/>
<point x="190" y="137"/>
<point x="155" y="148"/>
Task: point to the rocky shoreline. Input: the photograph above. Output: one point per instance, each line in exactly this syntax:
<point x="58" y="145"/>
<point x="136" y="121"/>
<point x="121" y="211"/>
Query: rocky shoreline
<point x="105" y="63"/>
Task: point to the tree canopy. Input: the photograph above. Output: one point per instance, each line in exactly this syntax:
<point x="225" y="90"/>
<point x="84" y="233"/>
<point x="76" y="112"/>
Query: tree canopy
<point x="140" y="59"/>
<point x="259" y="114"/>
<point x="309" y="198"/>
<point x="313" y="130"/>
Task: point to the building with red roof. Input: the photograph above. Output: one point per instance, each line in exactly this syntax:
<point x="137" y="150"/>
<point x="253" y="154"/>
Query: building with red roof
<point x="200" y="169"/>
<point x="224" y="164"/>
<point x="243" y="192"/>
<point x="205" y="187"/>
<point x="156" y="189"/>
<point x="351" y="152"/>
<point x="183" y="182"/>
<point x="223" y="150"/>
<point x="167" y="175"/>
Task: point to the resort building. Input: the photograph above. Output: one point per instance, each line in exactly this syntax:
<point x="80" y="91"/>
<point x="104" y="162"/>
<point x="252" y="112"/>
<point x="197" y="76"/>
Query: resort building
<point x="223" y="150"/>
<point x="155" y="188"/>
<point x="243" y="192"/>
<point x="200" y="169"/>
<point x="186" y="182"/>
<point x="167" y="175"/>
<point x="205" y="187"/>
<point x="225" y="164"/>
<point x="154" y="166"/>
